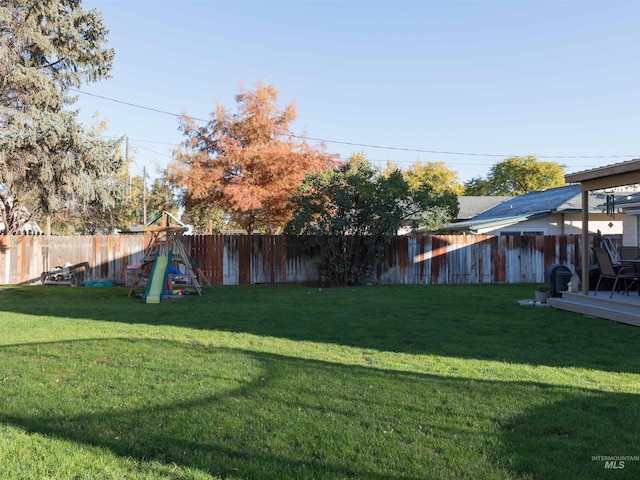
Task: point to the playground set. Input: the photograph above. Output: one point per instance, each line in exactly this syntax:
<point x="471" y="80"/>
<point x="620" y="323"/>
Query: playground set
<point x="166" y="269"/>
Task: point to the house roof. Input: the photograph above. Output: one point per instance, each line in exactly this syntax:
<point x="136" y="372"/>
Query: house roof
<point x="541" y="203"/>
<point x="629" y="199"/>
<point x="552" y="199"/>
<point x="472" y="205"/>
<point x="473" y="225"/>
<point x="609" y="176"/>
<point x="154" y="223"/>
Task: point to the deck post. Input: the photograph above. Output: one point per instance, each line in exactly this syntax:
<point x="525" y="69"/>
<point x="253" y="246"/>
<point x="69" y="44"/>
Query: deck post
<point x="585" y="240"/>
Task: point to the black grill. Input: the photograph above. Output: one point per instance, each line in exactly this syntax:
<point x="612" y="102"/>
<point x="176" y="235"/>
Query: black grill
<point x="556" y="277"/>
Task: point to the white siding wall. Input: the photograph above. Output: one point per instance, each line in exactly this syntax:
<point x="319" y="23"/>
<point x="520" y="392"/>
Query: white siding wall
<point x="631" y="233"/>
<point x="562" y="224"/>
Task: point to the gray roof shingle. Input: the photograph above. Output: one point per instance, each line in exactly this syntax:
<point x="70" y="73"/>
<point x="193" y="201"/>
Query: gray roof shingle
<point x="565" y="199"/>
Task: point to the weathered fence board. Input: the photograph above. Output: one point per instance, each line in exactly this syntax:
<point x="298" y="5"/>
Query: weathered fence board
<point x="229" y="260"/>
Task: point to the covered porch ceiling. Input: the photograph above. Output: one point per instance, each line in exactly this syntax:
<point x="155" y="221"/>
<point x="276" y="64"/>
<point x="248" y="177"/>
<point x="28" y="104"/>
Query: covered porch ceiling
<point x="610" y="176"/>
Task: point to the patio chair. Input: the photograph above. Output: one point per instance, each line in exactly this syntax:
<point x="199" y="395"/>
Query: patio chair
<point x="607" y="270"/>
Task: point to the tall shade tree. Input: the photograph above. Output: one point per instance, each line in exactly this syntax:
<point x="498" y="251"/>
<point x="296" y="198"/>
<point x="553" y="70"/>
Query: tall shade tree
<point x="517" y="175"/>
<point x="436" y="174"/>
<point x="47" y="158"/>
<point x="478" y="186"/>
<point x="442" y="185"/>
<point x="248" y="163"/>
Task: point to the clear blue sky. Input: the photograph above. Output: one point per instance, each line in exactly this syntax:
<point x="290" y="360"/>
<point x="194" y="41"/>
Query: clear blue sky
<point x="504" y="77"/>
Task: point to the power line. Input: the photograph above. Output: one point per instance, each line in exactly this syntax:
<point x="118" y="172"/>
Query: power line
<point x="354" y="144"/>
<point x="382" y="147"/>
<point x="466" y="154"/>
<point x="135" y="105"/>
<point x="173" y="144"/>
<point x="153" y="151"/>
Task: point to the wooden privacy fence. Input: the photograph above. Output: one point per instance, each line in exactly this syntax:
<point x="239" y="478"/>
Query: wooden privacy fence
<point x="230" y="260"/>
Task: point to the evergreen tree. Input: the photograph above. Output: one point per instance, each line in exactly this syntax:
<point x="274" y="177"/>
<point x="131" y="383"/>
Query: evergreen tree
<point x="47" y="158"/>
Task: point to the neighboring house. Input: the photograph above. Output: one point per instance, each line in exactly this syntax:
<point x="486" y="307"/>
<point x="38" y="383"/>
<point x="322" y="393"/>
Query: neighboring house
<point x="555" y="211"/>
<point x="29" y="228"/>
<point x="470" y="206"/>
<point x="629" y="206"/>
<point x="19" y="214"/>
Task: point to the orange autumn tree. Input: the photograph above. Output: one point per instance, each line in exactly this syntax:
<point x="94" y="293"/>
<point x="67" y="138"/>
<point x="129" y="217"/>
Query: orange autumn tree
<point x="246" y="163"/>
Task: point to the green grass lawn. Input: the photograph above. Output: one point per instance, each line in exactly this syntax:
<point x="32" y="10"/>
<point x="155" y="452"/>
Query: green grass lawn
<point x="276" y="382"/>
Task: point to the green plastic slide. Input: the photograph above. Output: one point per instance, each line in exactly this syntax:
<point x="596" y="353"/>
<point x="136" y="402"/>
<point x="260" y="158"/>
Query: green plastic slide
<point x="157" y="280"/>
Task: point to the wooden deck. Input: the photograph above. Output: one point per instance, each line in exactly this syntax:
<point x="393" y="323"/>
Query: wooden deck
<point x="621" y="308"/>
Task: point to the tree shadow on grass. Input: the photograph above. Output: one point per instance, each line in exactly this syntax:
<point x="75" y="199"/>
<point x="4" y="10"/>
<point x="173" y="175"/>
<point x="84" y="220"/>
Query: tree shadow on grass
<point x="254" y="415"/>
<point x="467" y="321"/>
<point x="223" y="412"/>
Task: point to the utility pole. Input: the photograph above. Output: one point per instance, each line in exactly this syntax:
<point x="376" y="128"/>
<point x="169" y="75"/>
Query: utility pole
<point x="166" y="199"/>
<point x="126" y="160"/>
<point x="144" y="195"/>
